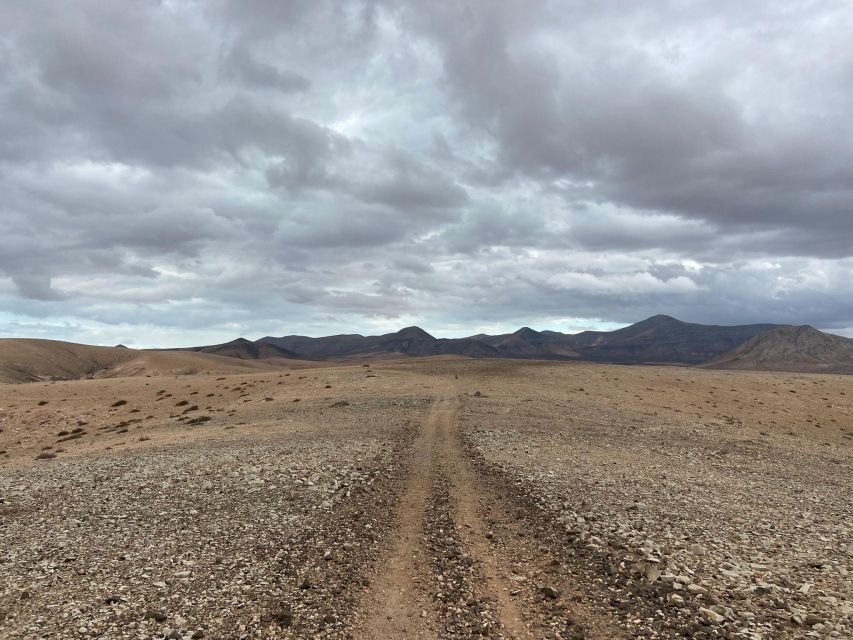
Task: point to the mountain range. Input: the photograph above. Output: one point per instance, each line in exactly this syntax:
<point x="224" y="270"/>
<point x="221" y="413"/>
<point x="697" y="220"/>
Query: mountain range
<point x="244" y="350"/>
<point x="659" y="339"/>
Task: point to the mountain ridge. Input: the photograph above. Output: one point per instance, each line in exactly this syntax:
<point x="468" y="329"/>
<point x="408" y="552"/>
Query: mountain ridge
<point x="801" y="349"/>
<point x="658" y="339"/>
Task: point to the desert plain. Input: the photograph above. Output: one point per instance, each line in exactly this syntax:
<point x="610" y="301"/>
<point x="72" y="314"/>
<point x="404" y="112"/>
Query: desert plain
<point x="428" y="498"/>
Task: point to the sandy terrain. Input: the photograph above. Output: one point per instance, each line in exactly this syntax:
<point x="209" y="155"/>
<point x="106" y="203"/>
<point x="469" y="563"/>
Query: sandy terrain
<point x="430" y="498"/>
<point x="31" y="360"/>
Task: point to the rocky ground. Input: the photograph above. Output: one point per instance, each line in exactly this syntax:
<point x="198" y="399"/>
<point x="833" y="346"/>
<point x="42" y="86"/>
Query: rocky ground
<point x="428" y="499"/>
<point x="263" y="521"/>
<point x="706" y="514"/>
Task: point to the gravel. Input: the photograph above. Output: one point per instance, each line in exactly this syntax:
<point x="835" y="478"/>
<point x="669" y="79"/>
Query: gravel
<point x="215" y="539"/>
<point x="737" y="536"/>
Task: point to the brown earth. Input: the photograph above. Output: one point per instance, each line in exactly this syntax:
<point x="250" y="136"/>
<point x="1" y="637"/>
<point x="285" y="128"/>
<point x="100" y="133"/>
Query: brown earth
<point x="431" y="498"/>
<point x="32" y="360"/>
<point x="801" y="349"/>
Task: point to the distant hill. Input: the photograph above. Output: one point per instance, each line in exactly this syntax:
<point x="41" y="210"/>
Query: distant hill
<point x="245" y="350"/>
<point x="801" y="349"/>
<point x="528" y="343"/>
<point x="658" y="339"/>
<point x="411" y="341"/>
<point x="663" y="338"/>
<point x="655" y="340"/>
<point x="31" y="360"/>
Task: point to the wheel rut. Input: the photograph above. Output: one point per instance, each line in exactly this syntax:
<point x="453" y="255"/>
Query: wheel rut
<point x="396" y="602"/>
<point x="444" y="574"/>
<point x="496" y="584"/>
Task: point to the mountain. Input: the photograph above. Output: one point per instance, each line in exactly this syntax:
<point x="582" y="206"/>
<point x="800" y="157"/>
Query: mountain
<point x="663" y="338"/>
<point x="245" y="350"/>
<point x="32" y="360"/>
<point x="528" y="343"/>
<point x="801" y="349"/>
<point x="657" y="339"/>
<point x="412" y="341"/>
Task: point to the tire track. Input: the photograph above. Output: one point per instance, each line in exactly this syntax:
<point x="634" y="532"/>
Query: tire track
<point x="444" y="575"/>
<point x="496" y="583"/>
<point x="395" y="603"/>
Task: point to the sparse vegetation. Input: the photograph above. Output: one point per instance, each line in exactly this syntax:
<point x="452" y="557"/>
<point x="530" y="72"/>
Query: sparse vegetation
<point x="555" y="484"/>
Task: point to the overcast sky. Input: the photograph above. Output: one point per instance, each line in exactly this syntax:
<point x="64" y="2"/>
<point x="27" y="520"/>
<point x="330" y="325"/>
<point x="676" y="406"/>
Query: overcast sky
<point x="177" y="173"/>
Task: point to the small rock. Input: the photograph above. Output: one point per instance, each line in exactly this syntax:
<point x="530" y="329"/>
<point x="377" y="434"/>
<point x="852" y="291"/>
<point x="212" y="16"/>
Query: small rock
<point x="711" y="616"/>
<point x="156" y="616"/>
<point x="811" y="619"/>
<point x="548" y="592"/>
<point x="652" y="573"/>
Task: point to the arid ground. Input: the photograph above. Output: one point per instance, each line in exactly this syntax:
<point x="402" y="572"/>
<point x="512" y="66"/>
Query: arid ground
<point x="429" y="498"/>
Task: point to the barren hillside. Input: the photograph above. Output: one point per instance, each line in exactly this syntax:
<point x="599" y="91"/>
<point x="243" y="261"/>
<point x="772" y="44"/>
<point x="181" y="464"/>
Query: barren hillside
<point x="799" y="349"/>
<point x="29" y="360"/>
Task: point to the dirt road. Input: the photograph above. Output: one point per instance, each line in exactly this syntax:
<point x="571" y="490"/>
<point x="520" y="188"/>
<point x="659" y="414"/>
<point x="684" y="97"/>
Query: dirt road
<point x="459" y="561"/>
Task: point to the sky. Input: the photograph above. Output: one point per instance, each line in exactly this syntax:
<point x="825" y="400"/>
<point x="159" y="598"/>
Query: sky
<point x="178" y="173"/>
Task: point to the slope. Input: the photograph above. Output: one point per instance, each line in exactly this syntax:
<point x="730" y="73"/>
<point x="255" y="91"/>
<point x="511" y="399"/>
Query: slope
<point x="245" y="350"/>
<point x="30" y="360"/>
<point x="663" y="338"/>
<point x="411" y="341"/>
<point x="801" y="349"/>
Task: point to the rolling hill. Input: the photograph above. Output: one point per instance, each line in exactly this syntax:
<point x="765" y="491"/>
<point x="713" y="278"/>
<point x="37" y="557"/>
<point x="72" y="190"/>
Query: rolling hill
<point x="411" y="341"/>
<point x="245" y="350"/>
<point x="32" y="360"/>
<point x="663" y="338"/>
<point x="656" y="340"/>
<point x="801" y="349"/>
<point x="659" y="339"/>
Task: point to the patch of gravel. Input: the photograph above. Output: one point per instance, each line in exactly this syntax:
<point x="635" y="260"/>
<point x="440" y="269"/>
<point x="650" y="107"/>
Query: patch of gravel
<point x="729" y="537"/>
<point x="212" y="540"/>
<point x="464" y="613"/>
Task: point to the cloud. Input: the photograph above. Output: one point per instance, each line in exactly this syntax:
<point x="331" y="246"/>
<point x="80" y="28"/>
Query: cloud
<point x="634" y="284"/>
<point x="35" y="286"/>
<point x="180" y="170"/>
<point x="241" y="65"/>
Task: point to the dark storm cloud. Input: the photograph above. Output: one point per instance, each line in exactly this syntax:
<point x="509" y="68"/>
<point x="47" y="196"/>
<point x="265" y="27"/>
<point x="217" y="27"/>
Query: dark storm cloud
<point x="241" y="64"/>
<point x="411" y="186"/>
<point x="327" y="166"/>
<point x="573" y="96"/>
